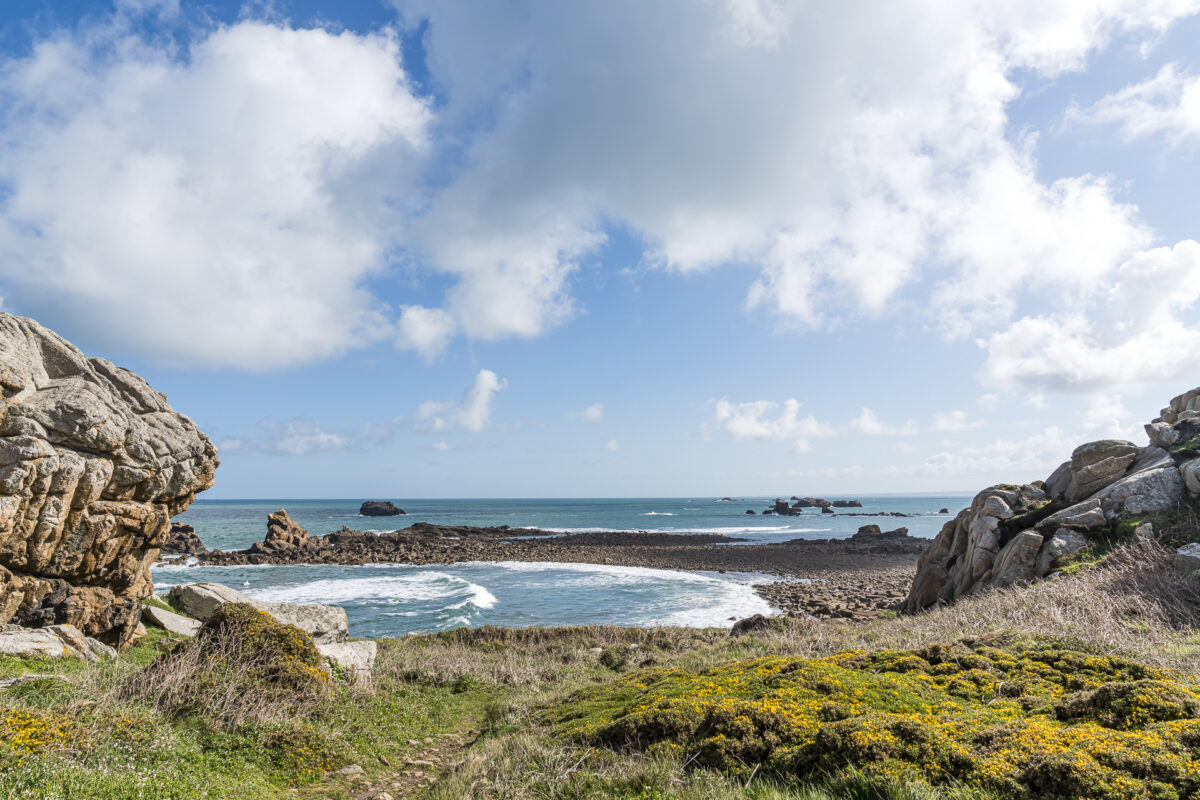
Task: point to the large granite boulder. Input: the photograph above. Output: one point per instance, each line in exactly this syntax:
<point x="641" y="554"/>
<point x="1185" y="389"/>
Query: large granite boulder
<point x="93" y="465"/>
<point x="1013" y="534"/>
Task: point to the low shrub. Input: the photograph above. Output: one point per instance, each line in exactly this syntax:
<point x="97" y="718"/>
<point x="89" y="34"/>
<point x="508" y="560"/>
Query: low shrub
<point x="242" y="666"/>
<point x="1020" y="718"/>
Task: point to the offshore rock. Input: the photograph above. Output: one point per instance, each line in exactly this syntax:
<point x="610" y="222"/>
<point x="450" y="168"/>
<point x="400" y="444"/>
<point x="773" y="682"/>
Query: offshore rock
<point x="282" y="534"/>
<point x="376" y="508"/>
<point x="93" y="465"/>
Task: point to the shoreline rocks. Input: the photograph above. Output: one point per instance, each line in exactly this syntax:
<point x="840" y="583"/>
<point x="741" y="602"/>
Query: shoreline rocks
<point x="182" y="541"/>
<point x="325" y="624"/>
<point x="1014" y="534"/>
<point x="93" y="465"/>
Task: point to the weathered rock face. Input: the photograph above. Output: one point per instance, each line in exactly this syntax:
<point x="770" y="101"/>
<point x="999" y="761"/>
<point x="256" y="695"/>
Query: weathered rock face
<point x="93" y="465"/>
<point x="282" y="534"/>
<point x="1012" y="534"/>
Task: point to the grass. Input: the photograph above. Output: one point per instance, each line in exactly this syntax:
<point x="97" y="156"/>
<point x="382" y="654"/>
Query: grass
<point x="553" y="714"/>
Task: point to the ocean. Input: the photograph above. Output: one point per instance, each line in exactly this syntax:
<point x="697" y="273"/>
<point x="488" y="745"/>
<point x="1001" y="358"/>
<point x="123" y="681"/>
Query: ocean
<point x="395" y="600"/>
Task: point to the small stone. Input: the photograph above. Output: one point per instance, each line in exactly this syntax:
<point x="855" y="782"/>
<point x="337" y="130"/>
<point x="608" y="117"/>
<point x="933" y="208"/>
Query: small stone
<point x="350" y="769"/>
<point x="1187" y="559"/>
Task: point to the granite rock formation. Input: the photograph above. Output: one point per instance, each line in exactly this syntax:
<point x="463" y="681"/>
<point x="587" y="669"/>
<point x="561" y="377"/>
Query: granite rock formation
<point x="93" y="465"/>
<point x="1011" y="534"/>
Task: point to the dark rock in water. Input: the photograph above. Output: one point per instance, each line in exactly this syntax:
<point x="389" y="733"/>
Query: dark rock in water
<point x="826" y="510"/>
<point x="749" y="511"/>
<point x="847" y="504"/>
<point x="783" y="509"/>
<point x="874" y="532"/>
<point x="183" y="541"/>
<point x="810" y="502"/>
<point x="944" y="511"/>
<point x="377" y="508"/>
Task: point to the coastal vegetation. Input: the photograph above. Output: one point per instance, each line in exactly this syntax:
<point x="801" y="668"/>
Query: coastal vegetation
<point x="1075" y="687"/>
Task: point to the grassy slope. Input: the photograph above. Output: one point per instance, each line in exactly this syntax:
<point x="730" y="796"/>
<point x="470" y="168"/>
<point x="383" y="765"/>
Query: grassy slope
<point x="496" y="706"/>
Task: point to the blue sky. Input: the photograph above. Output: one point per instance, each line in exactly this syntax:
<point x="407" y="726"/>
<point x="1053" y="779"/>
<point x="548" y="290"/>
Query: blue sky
<point x="528" y="249"/>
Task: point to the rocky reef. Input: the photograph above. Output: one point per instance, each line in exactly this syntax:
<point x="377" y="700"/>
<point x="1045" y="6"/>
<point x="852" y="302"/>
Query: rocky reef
<point x="1011" y="534"/>
<point x="93" y="465"/>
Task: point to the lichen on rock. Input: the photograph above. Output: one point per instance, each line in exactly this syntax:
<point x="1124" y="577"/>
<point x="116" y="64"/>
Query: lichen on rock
<point x="93" y="465"/>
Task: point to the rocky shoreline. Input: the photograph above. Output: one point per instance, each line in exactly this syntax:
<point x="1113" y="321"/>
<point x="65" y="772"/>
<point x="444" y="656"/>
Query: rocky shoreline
<point x="861" y="576"/>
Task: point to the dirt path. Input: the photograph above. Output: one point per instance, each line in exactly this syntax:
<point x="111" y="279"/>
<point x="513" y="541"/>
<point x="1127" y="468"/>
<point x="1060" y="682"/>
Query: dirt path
<point x="421" y="769"/>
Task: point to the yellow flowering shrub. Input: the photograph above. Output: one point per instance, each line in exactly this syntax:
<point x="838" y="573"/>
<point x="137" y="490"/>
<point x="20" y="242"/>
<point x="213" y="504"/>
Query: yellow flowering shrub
<point x="302" y="751"/>
<point x="1021" y="718"/>
<point x="25" y="731"/>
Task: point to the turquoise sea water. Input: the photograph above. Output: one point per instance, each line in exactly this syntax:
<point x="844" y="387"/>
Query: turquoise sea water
<point x="393" y="600"/>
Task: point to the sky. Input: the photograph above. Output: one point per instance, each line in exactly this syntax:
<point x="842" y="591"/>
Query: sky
<point x="603" y="249"/>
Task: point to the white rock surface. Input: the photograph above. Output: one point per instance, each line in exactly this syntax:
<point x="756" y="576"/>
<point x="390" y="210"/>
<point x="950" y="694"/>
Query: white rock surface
<point x="356" y="657"/>
<point x="171" y="622"/>
<point x="1146" y="492"/>
<point x="36" y="643"/>
<point x="325" y="624"/>
<point x="1190" y="470"/>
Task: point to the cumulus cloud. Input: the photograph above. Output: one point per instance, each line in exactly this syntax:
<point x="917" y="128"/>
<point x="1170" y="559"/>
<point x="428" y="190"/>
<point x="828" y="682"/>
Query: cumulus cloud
<point x="1167" y="105"/>
<point x="593" y="413"/>
<point x="426" y="330"/>
<point x="472" y="414"/>
<point x="302" y="437"/>
<point x="223" y="209"/>
<point x="726" y="143"/>
<point x="1140" y="332"/>
<point x="227" y="201"/>
<point x="611" y="444"/>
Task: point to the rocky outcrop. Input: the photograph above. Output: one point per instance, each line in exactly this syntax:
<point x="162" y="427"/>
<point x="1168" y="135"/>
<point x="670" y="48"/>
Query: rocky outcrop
<point x="282" y="534"/>
<point x="183" y="541"/>
<point x="376" y="508"/>
<point x="1013" y="534"/>
<point x="93" y="465"/>
<point x="847" y="504"/>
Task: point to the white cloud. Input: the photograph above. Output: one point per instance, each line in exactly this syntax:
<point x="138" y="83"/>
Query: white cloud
<point x="221" y="209"/>
<point x="868" y="423"/>
<point x="441" y="447"/>
<point x="951" y="422"/>
<point x="611" y="444"/>
<point x="255" y="182"/>
<point x="472" y="414"/>
<point x="593" y="413"/>
<point x="1167" y="105"/>
<point x="426" y="330"/>
<point x="760" y="420"/>
<point x="1139" y="333"/>
<point x="298" y="438"/>
<point x="728" y="142"/>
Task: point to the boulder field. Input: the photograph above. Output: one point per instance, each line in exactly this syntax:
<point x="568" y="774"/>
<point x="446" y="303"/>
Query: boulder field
<point x="1011" y="534"/>
<point x="93" y="465"/>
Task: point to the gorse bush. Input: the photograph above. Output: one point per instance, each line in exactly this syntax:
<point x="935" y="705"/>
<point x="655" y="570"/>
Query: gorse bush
<point x="242" y="666"/>
<point x="1017" y="718"/>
